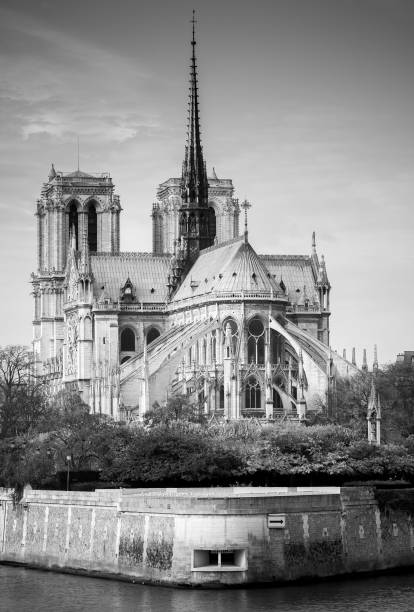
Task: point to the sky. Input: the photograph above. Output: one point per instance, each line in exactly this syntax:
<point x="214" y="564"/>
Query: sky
<point x="307" y="105"/>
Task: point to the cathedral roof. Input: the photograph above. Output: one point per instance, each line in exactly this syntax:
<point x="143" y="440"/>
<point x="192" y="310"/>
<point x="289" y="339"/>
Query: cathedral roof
<point x="147" y="272"/>
<point x="78" y="174"/>
<point x="230" y="266"/>
<point x="296" y="272"/>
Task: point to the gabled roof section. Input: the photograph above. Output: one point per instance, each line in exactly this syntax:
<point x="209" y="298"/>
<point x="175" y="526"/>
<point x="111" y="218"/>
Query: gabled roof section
<point x="230" y="266"/>
<point x="147" y="272"/>
<point x="297" y="274"/>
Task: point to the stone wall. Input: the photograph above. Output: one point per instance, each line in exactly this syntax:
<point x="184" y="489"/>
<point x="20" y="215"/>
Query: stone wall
<point x="155" y="535"/>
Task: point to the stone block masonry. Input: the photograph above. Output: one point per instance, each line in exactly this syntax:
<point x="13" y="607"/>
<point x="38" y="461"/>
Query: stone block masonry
<point x="195" y="537"/>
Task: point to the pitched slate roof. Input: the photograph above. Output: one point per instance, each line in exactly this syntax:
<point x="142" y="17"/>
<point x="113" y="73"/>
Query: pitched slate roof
<point x="147" y="272"/>
<point x="78" y="174"/>
<point x="297" y="274"/>
<point x="230" y="266"/>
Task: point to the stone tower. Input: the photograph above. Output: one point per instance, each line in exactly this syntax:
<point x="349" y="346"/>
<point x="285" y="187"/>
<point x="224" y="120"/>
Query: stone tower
<point x="73" y="208"/>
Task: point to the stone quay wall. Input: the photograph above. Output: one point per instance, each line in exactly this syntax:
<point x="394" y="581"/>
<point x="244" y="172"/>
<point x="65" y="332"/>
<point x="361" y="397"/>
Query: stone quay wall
<point x="222" y="536"/>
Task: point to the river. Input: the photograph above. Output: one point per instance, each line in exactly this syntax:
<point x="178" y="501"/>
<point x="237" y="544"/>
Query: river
<point x="26" y="590"/>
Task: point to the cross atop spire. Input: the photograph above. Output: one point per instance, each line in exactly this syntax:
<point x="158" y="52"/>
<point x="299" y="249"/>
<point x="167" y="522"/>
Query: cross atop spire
<point x="246" y="205"/>
<point x="194" y="174"/>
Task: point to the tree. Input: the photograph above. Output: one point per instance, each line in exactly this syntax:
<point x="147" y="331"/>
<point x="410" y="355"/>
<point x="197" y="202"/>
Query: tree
<point x="176" y="408"/>
<point x="395" y="385"/>
<point x="73" y="432"/>
<point x="22" y="398"/>
<point x="171" y="456"/>
<point x="351" y="400"/>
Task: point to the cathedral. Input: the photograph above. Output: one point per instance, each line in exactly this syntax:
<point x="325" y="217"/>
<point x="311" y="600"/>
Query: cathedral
<point x="242" y="334"/>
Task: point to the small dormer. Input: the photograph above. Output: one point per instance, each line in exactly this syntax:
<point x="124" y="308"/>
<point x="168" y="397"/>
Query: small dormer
<point x="127" y="292"/>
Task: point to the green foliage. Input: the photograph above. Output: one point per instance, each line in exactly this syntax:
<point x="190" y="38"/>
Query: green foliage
<point x="175" y="446"/>
<point x="22" y="399"/>
<point x="176" y="408"/>
<point x="396" y="387"/>
<point x="65" y="429"/>
<point x="395" y="384"/>
<point x="351" y="401"/>
<point x="167" y="454"/>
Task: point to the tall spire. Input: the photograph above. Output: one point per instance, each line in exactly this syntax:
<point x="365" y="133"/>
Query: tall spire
<point x="195" y="221"/>
<point x="194" y="177"/>
<point x="375" y="364"/>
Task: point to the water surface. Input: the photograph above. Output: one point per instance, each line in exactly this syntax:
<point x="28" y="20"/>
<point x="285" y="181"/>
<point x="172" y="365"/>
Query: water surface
<point x="26" y="590"/>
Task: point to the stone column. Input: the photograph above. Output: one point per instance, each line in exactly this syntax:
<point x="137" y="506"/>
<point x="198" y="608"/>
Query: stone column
<point x="39" y="240"/>
<point x="268" y="374"/>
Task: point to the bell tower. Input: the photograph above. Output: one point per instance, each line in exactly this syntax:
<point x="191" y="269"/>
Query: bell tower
<point x="73" y="208"/>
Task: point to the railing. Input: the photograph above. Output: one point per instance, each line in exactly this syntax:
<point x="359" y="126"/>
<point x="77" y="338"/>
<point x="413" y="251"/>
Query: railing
<point x="218" y="296"/>
<point x="134" y="307"/>
<point x="302" y="308"/>
<point x="81" y="179"/>
<point x="151" y="307"/>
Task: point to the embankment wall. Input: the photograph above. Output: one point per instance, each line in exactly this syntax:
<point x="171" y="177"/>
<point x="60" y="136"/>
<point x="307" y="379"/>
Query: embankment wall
<point x="206" y="536"/>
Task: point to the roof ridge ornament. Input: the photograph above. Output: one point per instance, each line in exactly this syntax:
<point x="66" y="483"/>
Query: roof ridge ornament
<point x="245" y="205"/>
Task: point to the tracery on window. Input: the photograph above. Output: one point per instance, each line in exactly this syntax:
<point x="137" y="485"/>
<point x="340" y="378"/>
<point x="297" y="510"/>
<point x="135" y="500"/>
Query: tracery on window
<point x="253" y="396"/>
<point x="256" y="341"/>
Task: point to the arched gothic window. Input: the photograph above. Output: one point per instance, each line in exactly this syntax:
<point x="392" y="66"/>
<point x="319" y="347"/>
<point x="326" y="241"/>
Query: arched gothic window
<point x="152" y="334"/>
<point x="275" y="346"/>
<point x="256" y="341"/>
<point x="92" y="228"/>
<point x="73" y="222"/>
<point x="212" y="225"/>
<point x="213" y="344"/>
<point x="127" y="340"/>
<point x="183" y="224"/>
<point x="192" y="225"/>
<point x="221" y="403"/>
<point x="253" y="396"/>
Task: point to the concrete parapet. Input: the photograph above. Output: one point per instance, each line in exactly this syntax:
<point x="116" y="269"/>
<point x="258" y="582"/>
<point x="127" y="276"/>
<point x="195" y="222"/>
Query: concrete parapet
<point x="220" y="536"/>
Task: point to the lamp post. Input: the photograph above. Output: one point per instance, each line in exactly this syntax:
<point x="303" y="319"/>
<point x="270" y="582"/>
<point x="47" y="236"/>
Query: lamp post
<point x="68" y="459"/>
